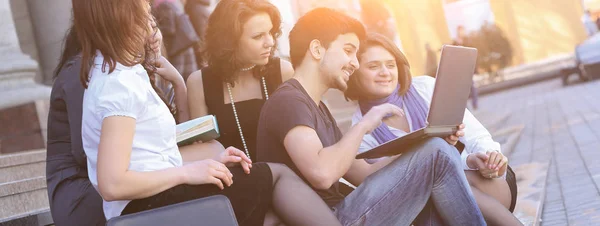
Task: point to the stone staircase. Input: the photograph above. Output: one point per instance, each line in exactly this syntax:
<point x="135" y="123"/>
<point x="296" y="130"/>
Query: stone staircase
<point x="23" y="194"/>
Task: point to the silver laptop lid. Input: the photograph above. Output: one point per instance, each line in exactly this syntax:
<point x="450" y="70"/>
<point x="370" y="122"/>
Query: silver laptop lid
<point x="452" y="86"/>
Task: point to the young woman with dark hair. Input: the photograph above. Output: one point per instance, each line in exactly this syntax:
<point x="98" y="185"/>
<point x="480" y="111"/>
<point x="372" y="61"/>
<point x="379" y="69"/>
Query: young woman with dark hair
<point x="241" y="71"/>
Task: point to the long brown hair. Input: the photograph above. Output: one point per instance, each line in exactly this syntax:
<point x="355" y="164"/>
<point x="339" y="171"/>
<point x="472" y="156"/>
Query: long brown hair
<point x="404" y="76"/>
<point x="225" y="27"/>
<point x="119" y="30"/>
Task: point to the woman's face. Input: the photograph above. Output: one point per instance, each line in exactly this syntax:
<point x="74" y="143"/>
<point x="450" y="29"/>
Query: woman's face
<point x="378" y="75"/>
<point x="256" y="41"/>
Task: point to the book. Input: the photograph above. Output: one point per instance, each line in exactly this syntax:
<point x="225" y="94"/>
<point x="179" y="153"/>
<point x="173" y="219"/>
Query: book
<point x="203" y="129"/>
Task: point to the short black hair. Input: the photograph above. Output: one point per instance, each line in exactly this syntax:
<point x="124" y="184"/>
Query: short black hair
<point x="323" y="24"/>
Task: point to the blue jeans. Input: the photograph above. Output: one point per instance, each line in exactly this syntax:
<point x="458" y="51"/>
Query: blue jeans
<point x="398" y="193"/>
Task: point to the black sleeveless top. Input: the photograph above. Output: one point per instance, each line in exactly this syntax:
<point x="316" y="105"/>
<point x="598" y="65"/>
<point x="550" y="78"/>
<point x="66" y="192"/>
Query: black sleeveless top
<point x="248" y="111"/>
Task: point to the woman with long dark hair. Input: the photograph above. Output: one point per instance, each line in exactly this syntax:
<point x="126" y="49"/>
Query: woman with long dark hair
<point x="129" y="134"/>
<point x="240" y="71"/>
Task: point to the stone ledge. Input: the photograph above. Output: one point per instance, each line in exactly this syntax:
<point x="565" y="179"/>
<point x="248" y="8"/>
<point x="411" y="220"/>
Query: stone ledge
<point x="22" y="172"/>
<point x="37" y="217"/>
<point x="22" y="186"/>
<point x="531" y="183"/>
<point x="25" y="93"/>
<point x="22" y="158"/>
<point x="15" y="205"/>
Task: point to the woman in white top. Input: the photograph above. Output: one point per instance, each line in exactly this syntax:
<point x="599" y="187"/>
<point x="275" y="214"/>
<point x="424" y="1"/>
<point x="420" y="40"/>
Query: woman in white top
<point x="128" y="132"/>
<point x="384" y="77"/>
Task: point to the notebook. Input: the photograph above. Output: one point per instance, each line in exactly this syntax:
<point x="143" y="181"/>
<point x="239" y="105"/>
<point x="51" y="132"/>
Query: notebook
<point x="200" y="129"/>
<point x="448" y="104"/>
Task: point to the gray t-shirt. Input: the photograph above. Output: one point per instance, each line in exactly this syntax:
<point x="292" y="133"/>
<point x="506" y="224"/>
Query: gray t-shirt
<point x="288" y="107"/>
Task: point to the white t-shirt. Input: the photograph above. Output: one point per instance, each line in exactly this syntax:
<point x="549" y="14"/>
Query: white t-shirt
<point x="127" y="92"/>
<point x="476" y="139"/>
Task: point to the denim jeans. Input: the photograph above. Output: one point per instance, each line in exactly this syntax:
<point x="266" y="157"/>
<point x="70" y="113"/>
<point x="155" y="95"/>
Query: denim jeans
<point x="398" y="193"/>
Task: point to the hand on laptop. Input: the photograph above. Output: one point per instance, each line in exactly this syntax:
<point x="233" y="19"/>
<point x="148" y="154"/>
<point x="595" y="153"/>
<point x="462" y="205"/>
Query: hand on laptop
<point x="453" y="139"/>
<point x="374" y="117"/>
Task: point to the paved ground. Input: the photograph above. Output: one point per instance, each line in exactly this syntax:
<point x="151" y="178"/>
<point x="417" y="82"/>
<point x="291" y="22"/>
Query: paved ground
<point x="561" y="125"/>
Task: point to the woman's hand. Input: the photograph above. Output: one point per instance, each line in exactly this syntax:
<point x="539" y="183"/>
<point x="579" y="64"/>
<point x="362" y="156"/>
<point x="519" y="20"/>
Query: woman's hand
<point x="482" y="162"/>
<point x="496" y="161"/>
<point x="207" y="172"/>
<point x="232" y="156"/>
<point x="453" y="139"/>
<point x="167" y="71"/>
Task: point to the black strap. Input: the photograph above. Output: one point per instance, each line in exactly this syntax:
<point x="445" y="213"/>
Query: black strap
<point x="213" y="89"/>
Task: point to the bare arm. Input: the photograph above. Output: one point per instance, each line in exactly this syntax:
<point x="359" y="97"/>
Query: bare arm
<point x="181" y="101"/>
<point x="197" y="103"/>
<point x="324" y="166"/>
<point x="166" y="70"/>
<point x="201" y="151"/>
<point x="360" y="169"/>
<point x="115" y="181"/>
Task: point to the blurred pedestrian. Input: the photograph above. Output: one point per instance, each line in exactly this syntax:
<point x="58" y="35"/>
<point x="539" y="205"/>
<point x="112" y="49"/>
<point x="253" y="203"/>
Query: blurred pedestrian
<point x="590" y="27"/>
<point x="198" y="11"/>
<point x="179" y="35"/>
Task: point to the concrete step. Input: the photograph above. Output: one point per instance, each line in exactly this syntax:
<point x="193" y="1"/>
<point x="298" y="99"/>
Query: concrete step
<point x="23" y="194"/>
<point x="19" y="199"/>
<point x="22" y="165"/>
<point x="531" y="183"/>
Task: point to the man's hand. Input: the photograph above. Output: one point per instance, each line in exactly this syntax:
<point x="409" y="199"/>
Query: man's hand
<point x="232" y="156"/>
<point x="453" y="139"/>
<point x="373" y="118"/>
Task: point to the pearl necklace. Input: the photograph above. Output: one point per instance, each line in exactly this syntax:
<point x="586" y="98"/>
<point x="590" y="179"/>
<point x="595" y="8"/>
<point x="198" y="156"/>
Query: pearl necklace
<point x="237" y="120"/>
<point x="248" y="68"/>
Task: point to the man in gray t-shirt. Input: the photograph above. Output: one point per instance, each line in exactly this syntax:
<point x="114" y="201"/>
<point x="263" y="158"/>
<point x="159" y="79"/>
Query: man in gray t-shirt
<point x="296" y="129"/>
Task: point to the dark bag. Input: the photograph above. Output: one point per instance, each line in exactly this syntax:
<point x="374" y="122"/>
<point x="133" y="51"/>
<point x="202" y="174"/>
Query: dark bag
<point x="212" y="210"/>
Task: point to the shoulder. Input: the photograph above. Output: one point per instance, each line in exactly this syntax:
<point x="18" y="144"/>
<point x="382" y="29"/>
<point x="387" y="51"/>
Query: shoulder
<point x="424" y="85"/>
<point x="195" y="85"/>
<point x="287" y="71"/>
<point x="287" y="95"/>
<point x="195" y="79"/>
<point x="119" y="84"/>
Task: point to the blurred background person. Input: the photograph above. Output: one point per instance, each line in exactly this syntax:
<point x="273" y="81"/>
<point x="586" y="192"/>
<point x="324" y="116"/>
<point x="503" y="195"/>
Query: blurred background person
<point x="178" y="33"/>
<point x="590" y="26"/>
<point x="198" y="11"/>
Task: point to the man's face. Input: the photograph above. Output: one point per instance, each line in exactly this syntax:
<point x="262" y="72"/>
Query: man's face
<point x="339" y="61"/>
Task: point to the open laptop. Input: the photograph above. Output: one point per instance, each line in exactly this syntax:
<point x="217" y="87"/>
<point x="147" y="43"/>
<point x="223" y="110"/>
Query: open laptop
<point x="452" y="87"/>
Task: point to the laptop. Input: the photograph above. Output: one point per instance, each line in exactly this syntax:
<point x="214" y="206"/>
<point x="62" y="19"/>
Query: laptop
<point x="451" y="92"/>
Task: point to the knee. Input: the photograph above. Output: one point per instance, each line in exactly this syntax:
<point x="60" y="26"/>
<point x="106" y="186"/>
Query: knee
<point x="439" y="145"/>
<point x="280" y="170"/>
